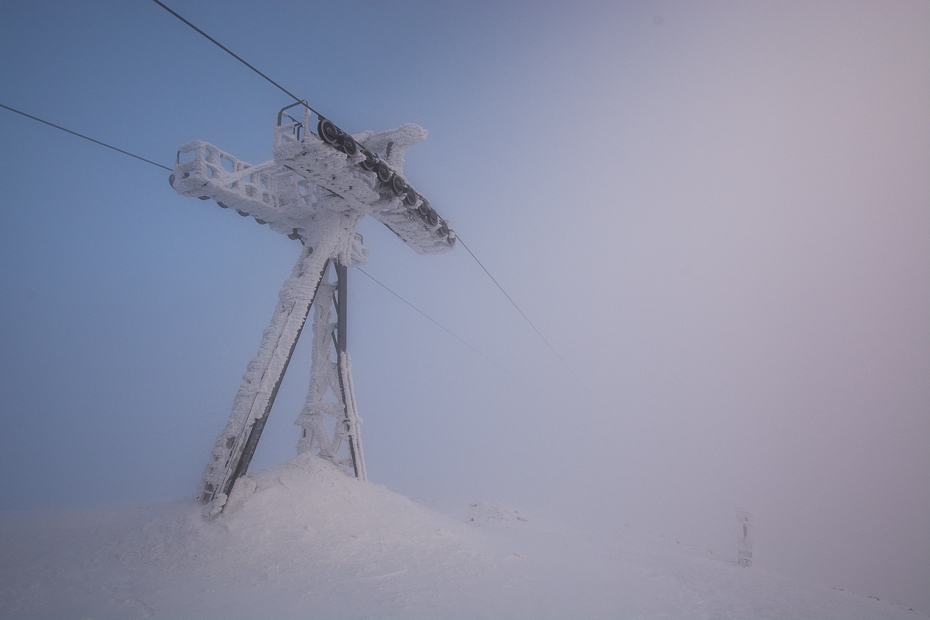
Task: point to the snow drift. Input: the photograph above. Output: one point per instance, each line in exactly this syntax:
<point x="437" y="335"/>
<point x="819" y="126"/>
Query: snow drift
<point x="305" y="540"/>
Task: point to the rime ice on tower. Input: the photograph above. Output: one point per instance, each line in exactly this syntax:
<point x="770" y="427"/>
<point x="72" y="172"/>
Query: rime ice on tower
<point x="327" y="376"/>
<point x="317" y="189"/>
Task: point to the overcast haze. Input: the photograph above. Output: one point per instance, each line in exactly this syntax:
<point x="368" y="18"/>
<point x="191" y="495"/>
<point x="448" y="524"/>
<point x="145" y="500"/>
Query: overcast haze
<point x="717" y="213"/>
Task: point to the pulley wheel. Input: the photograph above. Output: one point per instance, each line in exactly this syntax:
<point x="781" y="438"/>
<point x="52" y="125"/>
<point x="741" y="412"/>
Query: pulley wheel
<point x="433" y="217"/>
<point x="384" y="172"/>
<point x="411" y="197"/>
<point x="328" y="131"/>
<point x="369" y="163"/>
<point x="349" y="145"/>
<point x="398" y="185"/>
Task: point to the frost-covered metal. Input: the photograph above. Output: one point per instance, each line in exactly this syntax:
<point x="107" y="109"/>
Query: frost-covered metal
<point x="317" y="189"/>
<point x="364" y="171"/>
<point x="328" y="377"/>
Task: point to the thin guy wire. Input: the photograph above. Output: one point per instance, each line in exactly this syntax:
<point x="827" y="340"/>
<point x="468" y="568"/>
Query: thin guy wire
<point x="509" y="298"/>
<point x="35" y="118"/>
<point x="436" y="323"/>
<point x="231" y="53"/>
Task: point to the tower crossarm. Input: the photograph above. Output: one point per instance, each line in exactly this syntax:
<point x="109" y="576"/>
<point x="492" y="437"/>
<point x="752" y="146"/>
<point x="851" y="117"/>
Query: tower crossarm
<point x="267" y="192"/>
<point x="285" y="193"/>
<point x="338" y="162"/>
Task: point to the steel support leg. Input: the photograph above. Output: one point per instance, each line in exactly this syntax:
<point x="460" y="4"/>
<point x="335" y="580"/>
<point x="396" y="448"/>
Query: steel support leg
<point x="351" y="421"/>
<point x="328" y="377"/>
<point x="236" y="444"/>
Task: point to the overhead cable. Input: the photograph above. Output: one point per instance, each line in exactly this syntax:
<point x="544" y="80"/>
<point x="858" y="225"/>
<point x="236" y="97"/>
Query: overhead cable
<point x="298" y="100"/>
<point x="148" y="161"/>
<point x="36" y="118"/>
<point x="301" y="101"/>
<point x="236" y="56"/>
<point x="523" y="314"/>
<point x="436" y="323"/>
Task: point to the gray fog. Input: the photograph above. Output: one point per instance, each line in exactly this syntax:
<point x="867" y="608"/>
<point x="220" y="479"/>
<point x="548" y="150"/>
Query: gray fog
<point x="717" y="213"/>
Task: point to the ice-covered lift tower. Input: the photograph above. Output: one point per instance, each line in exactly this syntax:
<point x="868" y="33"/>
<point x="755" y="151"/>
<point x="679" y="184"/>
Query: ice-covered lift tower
<point x="317" y="189"/>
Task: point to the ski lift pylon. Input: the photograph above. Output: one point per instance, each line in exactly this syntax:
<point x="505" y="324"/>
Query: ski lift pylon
<point x="317" y="189"/>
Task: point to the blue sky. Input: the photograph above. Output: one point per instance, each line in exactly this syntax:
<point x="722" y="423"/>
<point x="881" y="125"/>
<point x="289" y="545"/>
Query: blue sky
<point x="716" y="212"/>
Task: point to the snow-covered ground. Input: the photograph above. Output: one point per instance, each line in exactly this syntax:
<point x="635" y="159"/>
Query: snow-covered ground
<point x="304" y="540"/>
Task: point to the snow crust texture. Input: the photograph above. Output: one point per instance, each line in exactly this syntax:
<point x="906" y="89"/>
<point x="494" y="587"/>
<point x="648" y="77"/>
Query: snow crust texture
<point x="306" y="540"/>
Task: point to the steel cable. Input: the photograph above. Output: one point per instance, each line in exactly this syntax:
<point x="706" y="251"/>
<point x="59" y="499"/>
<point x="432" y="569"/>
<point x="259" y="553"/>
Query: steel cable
<point x="36" y="118"/>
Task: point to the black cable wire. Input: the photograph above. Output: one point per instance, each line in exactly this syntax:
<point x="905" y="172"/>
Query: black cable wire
<point x="436" y="323"/>
<point x="231" y="53"/>
<point x="458" y="237"/>
<point x="510" y="299"/>
<point x="364" y="272"/>
<point x="35" y="118"/>
<point x="301" y="101"/>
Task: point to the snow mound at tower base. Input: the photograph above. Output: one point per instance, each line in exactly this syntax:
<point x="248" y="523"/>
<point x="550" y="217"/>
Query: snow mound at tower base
<point x="304" y="540"/>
